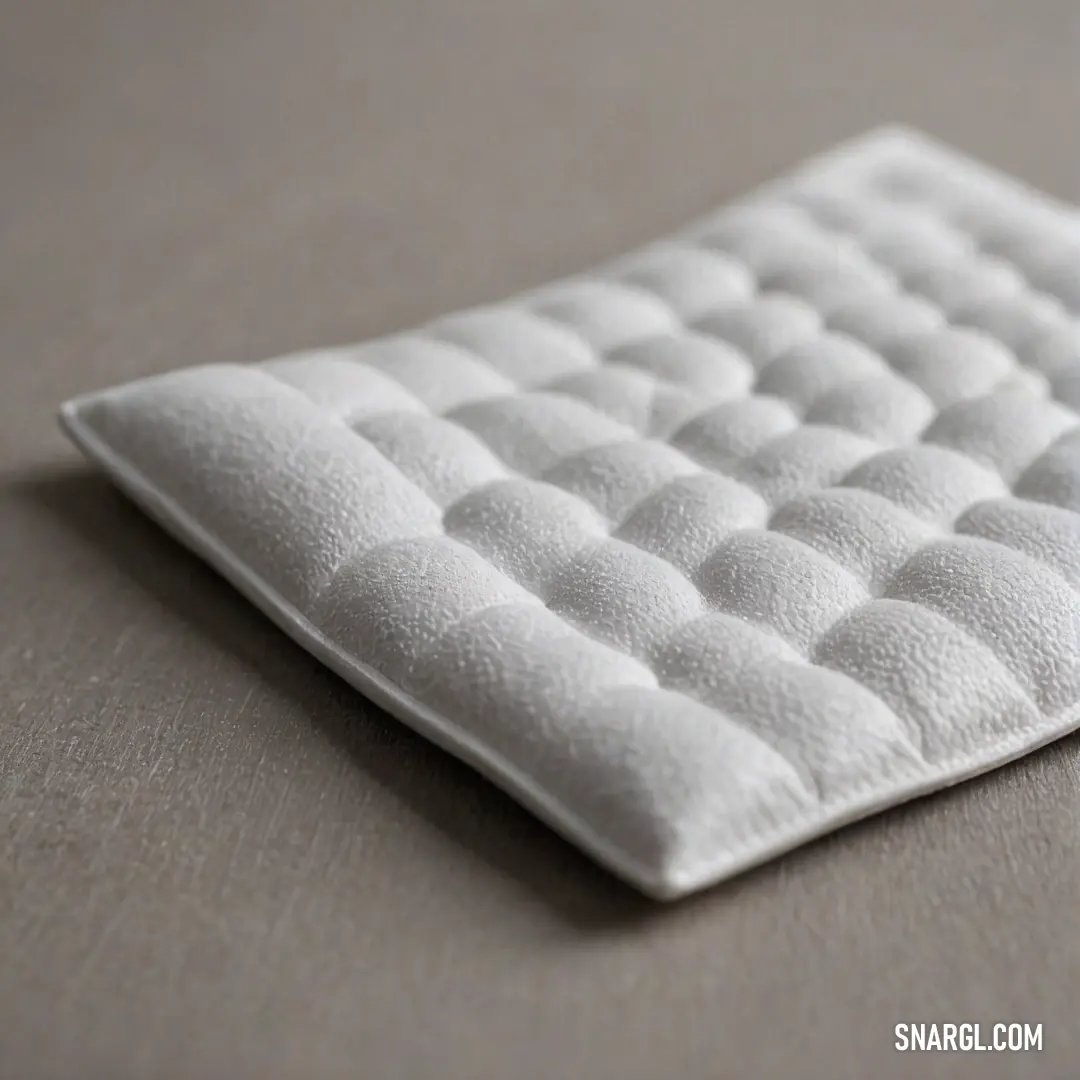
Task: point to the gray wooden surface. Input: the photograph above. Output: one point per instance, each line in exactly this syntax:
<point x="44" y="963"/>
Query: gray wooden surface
<point x="215" y="859"/>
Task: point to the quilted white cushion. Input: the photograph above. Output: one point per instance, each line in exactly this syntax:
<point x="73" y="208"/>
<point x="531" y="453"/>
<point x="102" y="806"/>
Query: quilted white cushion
<point x="700" y="554"/>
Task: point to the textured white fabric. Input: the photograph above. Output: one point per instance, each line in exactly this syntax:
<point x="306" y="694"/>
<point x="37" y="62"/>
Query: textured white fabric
<point x="702" y="553"/>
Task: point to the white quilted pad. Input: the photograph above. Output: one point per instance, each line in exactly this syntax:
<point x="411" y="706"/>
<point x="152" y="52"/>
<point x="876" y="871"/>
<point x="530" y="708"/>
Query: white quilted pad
<point x="700" y="554"/>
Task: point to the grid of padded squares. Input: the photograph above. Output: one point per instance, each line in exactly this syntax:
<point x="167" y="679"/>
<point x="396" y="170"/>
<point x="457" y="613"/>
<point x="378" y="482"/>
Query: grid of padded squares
<point x="735" y="527"/>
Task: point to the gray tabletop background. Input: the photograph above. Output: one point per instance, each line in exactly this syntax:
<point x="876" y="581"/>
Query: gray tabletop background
<point x="216" y="860"/>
